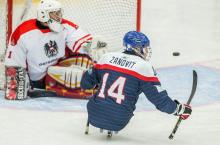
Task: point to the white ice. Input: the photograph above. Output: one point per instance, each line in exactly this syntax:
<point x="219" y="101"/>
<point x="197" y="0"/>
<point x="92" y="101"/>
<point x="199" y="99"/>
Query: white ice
<point x="191" y="27"/>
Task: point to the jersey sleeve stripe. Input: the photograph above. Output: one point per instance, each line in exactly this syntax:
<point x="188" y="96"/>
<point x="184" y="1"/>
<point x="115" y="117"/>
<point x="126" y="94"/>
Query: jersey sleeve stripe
<point x="90" y="38"/>
<point x="80" y="41"/>
<point x="126" y="71"/>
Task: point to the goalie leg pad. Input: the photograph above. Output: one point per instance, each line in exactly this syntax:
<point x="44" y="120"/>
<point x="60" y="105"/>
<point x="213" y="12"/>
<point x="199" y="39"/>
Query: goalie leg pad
<point x="17" y="83"/>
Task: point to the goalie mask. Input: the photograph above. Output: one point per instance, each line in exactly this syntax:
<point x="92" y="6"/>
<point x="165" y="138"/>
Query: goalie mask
<point x="138" y="43"/>
<point x="50" y="12"/>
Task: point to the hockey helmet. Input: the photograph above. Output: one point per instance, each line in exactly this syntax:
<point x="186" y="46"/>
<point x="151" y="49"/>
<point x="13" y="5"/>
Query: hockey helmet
<point x="137" y="42"/>
<point x="47" y="6"/>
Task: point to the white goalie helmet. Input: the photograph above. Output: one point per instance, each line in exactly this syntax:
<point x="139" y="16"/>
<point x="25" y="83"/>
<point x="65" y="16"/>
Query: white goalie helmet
<point x="43" y="11"/>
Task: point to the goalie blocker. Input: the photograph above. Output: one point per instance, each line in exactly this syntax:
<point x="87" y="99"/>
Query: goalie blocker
<point x="17" y="83"/>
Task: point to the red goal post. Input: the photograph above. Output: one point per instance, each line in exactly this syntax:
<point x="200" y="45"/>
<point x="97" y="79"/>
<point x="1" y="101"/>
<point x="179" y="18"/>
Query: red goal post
<point x="108" y="18"/>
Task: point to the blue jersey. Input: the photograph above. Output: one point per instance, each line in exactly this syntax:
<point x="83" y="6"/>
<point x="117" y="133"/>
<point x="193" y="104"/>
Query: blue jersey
<point x="121" y="78"/>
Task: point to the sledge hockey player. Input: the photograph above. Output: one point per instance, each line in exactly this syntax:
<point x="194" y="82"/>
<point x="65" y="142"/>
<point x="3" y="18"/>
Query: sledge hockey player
<point x="121" y="78"/>
<point x="51" y="52"/>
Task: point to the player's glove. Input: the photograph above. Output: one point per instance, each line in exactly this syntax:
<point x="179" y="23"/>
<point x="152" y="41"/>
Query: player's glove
<point x="182" y="110"/>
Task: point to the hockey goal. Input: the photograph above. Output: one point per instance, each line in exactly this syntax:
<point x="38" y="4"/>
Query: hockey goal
<point x="108" y="18"/>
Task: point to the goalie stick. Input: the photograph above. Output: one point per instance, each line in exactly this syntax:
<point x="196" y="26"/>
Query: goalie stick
<point x="194" y="85"/>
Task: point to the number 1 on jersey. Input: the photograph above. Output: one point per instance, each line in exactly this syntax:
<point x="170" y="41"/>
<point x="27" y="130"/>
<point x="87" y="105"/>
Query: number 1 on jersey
<point x="115" y="90"/>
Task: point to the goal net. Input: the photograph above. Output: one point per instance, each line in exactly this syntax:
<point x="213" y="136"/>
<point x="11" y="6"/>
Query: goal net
<point x="110" y="19"/>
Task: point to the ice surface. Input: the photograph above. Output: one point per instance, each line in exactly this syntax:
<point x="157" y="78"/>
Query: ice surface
<point x="189" y="27"/>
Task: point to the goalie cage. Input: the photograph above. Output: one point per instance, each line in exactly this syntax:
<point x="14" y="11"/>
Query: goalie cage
<point x="111" y="19"/>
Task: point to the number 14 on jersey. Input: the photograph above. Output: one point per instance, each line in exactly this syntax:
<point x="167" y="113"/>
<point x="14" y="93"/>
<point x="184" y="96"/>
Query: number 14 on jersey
<point x="115" y="90"/>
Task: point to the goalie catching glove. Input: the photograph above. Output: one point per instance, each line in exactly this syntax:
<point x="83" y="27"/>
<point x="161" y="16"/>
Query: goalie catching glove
<point x="182" y="110"/>
<point x="95" y="48"/>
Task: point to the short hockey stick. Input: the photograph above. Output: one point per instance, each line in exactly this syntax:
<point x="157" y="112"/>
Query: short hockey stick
<point x="87" y="127"/>
<point x="194" y="85"/>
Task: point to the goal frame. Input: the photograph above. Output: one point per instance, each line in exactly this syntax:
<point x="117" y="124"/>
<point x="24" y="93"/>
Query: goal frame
<point x="9" y="23"/>
<point x="9" y="20"/>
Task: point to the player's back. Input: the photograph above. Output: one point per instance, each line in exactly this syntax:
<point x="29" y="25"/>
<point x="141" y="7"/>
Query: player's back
<point x="121" y="76"/>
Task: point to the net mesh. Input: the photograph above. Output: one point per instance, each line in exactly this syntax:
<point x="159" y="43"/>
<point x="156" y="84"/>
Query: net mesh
<point x="3" y="28"/>
<point x="110" y="19"/>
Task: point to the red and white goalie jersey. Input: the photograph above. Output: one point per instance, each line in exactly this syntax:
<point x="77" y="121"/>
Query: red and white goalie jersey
<point x="36" y="47"/>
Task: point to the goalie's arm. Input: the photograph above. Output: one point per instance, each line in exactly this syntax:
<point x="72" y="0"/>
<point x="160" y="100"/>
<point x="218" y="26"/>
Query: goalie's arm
<point x="84" y="43"/>
<point x="90" y="79"/>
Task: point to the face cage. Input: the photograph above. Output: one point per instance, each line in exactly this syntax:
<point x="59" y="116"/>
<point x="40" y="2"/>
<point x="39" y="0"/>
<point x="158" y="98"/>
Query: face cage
<point x="52" y="12"/>
<point x="148" y="53"/>
<point x="145" y="54"/>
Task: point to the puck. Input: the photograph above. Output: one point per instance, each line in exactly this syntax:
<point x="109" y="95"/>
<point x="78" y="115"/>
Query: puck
<point x="176" y="53"/>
